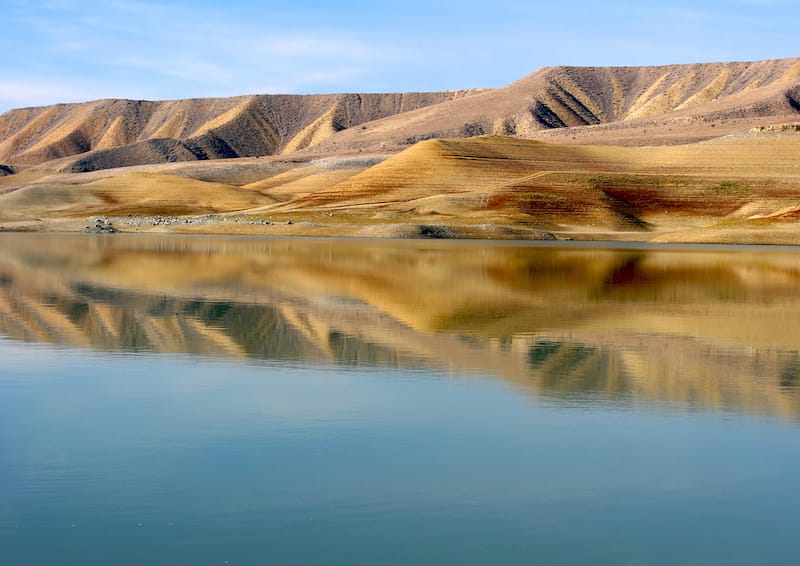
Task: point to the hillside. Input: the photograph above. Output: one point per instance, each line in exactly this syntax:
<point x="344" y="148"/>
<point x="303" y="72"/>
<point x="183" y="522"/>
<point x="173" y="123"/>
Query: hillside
<point x="628" y="105"/>
<point x="679" y="153"/>
<point x="740" y="189"/>
<point x="745" y="183"/>
<point x="119" y="133"/>
<point x="608" y="105"/>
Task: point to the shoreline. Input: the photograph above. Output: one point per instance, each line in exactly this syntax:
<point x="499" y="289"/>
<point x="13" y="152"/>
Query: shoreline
<point x="411" y="229"/>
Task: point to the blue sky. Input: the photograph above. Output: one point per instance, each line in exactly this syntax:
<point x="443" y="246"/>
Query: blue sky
<point x="68" y="50"/>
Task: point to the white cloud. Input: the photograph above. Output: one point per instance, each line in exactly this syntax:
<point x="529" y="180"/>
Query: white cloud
<point x="22" y="93"/>
<point x="68" y="50"/>
<point x="181" y="67"/>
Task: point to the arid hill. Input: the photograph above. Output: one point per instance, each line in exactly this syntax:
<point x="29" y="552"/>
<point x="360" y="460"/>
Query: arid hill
<point x="681" y="153"/>
<point x="629" y="105"/>
<point x="611" y="105"/>
<point x="739" y="189"/>
<point x="120" y="133"/>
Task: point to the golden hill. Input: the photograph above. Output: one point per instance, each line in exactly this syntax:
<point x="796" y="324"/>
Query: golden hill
<point x="629" y="105"/>
<point x="116" y="133"/>
<point x="741" y="182"/>
<point x="608" y="105"/>
<point x="738" y="189"/>
<point x="142" y="193"/>
<point x="703" y="152"/>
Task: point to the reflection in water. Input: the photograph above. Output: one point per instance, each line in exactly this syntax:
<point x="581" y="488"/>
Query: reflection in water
<point x="707" y="329"/>
<point x="576" y="368"/>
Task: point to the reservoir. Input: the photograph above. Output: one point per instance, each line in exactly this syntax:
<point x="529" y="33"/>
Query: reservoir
<point x="224" y="400"/>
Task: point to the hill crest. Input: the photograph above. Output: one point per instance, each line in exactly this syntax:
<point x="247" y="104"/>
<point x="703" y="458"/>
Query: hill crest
<point x="612" y="105"/>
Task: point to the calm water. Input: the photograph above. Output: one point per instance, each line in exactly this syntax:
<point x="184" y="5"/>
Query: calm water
<point x="173" y="400"/>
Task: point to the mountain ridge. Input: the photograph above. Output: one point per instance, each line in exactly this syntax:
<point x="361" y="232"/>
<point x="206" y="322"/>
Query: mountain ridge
<point x="244" y="126"/>
<point x="571" y="152"/>
<point x="109" y="133"/>
<point x="558" y="99"/>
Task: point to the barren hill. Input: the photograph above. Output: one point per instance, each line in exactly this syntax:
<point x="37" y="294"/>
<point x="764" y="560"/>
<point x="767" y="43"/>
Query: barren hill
<point x="555" y="154"/>
<point x="622" y="105"/>
<point x="118" y="133"/>
<point x="739" y="189"/>
<point x="731" y="182"/>
<point x="629" y="105"/>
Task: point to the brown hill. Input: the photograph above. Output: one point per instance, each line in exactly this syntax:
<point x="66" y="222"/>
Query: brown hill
<point x="552" y="152"/>
<point x="557" y="186"/>
<point x="620" y="105"/>
<point x="143" y="193"/>
<point x="113" y="133"/>
<point x="739" y="189"/>
<point x="630" y="105"/>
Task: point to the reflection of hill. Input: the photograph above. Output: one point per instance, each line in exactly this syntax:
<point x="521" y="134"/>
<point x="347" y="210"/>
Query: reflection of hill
<point x="714" y="330"/>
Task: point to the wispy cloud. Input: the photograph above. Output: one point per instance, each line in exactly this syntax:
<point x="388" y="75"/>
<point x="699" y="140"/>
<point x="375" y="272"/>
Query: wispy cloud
<point x="65" y="49"/>
<point x="174" y="50"/>
<point x="20" y="93"/>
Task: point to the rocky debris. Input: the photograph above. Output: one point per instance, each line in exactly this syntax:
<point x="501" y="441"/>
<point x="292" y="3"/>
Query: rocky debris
<point x="435" y="232"/>
<point x="445" y="232"/>
<point x="136" y="221"/>
<point x="776" y="128"/>
<point x="164" y="220"/>
<point x="101" y="226"/>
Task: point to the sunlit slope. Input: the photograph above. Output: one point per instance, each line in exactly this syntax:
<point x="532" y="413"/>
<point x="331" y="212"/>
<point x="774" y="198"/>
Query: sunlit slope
<point x="132" y="193"/>
<point x="736" y="189"/>
<point x="114" y="133"/>
<point x="554" y="185"/>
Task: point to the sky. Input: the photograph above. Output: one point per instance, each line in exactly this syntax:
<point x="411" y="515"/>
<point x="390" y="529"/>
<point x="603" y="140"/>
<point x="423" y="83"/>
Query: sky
<point x="71" y="51"/>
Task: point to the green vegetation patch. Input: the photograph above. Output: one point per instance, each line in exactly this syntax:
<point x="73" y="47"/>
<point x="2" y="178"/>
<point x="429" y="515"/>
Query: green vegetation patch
<point x="605" y="181"/>
<point x="538" y="197"/>
<point x="730" y="187"/>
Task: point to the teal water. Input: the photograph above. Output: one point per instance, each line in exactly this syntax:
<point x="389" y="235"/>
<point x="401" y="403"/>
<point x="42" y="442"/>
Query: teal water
<point x="225" y="401"/>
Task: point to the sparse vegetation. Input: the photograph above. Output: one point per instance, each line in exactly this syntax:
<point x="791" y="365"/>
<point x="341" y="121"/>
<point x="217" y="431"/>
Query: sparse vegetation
<point x="730" y="186"/>
<point x="472" y="129"/>
<point x="411" y="140"/>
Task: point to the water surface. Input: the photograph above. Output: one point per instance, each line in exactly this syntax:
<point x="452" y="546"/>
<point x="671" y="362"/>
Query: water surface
<point x="230" y="400"/>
